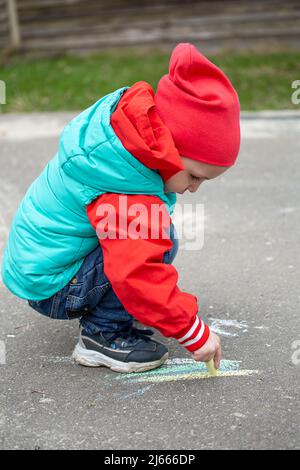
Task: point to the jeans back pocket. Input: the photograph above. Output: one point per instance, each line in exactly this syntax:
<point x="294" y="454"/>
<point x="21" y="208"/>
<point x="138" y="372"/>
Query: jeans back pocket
<point x="85" y="290"/>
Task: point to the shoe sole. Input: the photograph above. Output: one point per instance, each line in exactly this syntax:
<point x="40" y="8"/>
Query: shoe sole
<point x="89" y="358"/>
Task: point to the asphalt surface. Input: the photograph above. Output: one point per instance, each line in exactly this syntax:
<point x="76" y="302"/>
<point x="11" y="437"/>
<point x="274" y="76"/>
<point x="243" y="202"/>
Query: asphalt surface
<point x="246" y="278"/>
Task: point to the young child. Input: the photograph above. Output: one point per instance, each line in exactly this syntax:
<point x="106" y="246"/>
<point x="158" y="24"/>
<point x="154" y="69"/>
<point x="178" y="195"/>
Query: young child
<point x="79" y="247"/>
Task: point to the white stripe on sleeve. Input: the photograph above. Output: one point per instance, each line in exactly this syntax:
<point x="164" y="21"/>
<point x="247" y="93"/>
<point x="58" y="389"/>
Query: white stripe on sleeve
<point x="191" y="331"/>
<point x="198" y="337"/>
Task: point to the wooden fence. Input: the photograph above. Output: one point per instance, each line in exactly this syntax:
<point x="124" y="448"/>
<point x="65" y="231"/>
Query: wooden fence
<point x="53" y="26"/>
<point x="4" y="29"/>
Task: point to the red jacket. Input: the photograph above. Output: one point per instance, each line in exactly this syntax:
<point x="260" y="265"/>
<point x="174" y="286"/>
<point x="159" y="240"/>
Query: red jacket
<point x="145" y="285"/>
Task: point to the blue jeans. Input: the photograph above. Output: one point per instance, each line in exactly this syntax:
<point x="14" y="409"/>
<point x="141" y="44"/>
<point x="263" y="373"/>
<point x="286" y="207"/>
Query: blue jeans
<point x="90" y="297"/>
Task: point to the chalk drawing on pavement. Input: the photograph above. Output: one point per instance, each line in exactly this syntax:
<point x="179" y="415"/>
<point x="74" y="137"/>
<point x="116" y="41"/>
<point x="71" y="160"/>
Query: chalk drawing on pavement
<point x="186" y="369"/>
<point x="227" y="327"/>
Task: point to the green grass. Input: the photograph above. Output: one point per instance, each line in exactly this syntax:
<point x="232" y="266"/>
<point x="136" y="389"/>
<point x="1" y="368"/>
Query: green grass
<point x="263" y="80"/>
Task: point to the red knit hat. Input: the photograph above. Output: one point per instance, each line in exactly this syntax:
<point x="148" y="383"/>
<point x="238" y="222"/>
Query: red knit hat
<point x="201" y="108"/>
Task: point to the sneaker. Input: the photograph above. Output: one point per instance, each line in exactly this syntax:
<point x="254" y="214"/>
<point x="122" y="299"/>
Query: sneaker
<point x="131" y="351"/>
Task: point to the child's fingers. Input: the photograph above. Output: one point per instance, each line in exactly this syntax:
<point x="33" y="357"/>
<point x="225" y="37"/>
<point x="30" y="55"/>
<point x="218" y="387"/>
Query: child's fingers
<point x="217" y="358"/>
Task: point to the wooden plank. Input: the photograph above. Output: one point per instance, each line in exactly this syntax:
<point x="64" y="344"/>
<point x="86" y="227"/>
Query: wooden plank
<point x="224" y="21"/>
<point x="3" y="12"/>
<point x="100" y="10"/>
<point x="23" y="4"/>
<point x="181" y="31"/>
<point x="3" y="28"/>
<point x="134" y="37"/>
<point x="4" y="42"/>
<point x="205" y="5"/>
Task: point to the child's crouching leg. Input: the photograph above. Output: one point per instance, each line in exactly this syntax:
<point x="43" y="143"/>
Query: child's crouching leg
<point x="53" y="307"/>
<point x="109" y="316"/>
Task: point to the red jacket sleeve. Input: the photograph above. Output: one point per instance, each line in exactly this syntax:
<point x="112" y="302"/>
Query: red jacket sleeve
<point x="134" y="240"/>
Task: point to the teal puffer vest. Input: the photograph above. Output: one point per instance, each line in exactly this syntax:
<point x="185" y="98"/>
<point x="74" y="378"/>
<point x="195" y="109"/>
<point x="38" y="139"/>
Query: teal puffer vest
<point x="51" y="234"/>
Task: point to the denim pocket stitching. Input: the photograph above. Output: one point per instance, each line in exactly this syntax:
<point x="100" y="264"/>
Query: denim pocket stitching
<point x="74" y="301"/>
<point x="80" y="276"/>
<point x="94" y="267"/>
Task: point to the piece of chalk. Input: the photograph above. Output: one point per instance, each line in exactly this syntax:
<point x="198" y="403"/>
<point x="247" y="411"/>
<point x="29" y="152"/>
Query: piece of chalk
<point x="211" y="368"/>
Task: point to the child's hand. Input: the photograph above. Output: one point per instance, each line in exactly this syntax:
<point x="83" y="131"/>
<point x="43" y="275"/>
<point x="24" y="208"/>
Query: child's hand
<point x="211" y="350"/>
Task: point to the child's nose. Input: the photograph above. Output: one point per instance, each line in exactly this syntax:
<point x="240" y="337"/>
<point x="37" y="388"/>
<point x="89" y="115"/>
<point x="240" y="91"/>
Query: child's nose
<point x="195" y="186"/>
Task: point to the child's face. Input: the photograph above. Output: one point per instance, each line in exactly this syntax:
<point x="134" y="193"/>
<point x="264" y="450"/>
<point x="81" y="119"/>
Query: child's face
<point x="193" y="175"/>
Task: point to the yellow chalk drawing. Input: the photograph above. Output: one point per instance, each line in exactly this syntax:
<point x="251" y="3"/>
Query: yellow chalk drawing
<point x="187" y="369"/>
<point x="195" y="375"/>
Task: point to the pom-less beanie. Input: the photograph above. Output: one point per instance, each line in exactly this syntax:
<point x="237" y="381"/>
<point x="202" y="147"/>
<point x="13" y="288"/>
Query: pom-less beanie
<point x="200" y="107"/>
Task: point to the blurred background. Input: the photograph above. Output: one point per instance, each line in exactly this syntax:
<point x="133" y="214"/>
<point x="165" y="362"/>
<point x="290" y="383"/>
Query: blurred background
<point x="65" y="54"/>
